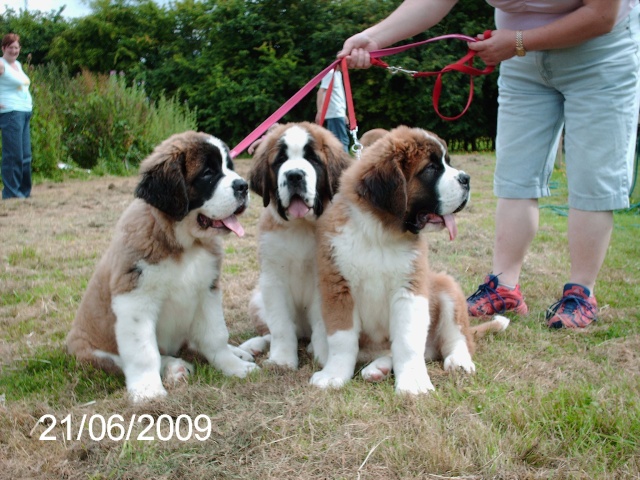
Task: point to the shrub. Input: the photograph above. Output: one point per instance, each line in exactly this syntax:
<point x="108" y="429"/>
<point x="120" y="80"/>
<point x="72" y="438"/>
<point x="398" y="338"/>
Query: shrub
<point x="97" y="121"/>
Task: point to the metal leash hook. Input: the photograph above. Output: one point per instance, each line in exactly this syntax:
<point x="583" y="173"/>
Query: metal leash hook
<point x="393" y="70"/>
<point x="357" y="147"/>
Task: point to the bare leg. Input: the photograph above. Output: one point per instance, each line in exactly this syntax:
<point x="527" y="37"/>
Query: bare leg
<point x="516" y="226"/>
<point x="589" y="236"/>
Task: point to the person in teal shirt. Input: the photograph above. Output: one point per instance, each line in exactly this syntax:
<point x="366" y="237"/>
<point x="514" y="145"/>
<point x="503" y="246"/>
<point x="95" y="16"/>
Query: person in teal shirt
<point x="16" y="106"/>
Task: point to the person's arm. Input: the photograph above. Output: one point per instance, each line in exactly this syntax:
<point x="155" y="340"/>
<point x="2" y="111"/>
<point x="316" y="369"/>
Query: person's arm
<point x="592" y="19"/>
<point x="320" y="102"/>
<point x="410" y="18"/>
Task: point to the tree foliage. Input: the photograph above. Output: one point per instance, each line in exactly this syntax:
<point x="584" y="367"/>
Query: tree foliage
<point x="235" y="62"/>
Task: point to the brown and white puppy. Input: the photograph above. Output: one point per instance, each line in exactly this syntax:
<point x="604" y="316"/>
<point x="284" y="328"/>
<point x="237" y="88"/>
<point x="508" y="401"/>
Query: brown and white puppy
<point x="296" y="172"/>
<point x="156" y="289"/>
<point x="376" y="286"/>
<point x="371" y="136"/>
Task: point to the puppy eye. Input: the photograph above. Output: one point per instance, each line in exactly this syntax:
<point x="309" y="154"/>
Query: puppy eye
<point x="434" y="158"/>
<point x="207" y="174"/>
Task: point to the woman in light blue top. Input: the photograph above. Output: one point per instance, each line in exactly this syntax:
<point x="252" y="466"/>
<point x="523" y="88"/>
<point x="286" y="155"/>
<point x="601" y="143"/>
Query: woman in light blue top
<point x="15" y="113"/>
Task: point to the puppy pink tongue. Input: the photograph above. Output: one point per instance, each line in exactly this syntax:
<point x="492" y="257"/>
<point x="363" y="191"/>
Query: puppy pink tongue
<point x="297" y="208"/>
<point x="450" y="223"/>
<point x="233" y="224"/>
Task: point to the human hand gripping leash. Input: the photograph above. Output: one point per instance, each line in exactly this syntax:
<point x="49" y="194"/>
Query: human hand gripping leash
<point x="464" y="65"/>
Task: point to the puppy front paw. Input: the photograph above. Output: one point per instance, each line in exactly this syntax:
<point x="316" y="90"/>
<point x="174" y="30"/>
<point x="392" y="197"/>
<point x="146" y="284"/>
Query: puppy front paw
<point x="145" y="390"/>
<point x="240" y="369"/>
<point x="325" y="380"/>
<point x="414" y="384"/>
<point x="283" y="357"/>
<point x="290" y="363"/>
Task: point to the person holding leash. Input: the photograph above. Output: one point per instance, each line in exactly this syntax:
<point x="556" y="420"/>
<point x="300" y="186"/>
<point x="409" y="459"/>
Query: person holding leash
<point x="15" y="114"/>
<point x="572" y="64"/>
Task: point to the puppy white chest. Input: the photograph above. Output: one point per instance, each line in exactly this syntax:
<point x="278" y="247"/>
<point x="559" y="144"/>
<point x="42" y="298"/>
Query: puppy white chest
<point x="180" y="286"/>
<point x="377" y="267"/>
<point x="289" y="257"/>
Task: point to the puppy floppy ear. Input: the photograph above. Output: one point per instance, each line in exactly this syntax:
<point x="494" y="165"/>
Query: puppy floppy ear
<point x="385" y="187"/>
<point x="260" y="176"/>
<point x="337" y="162"/>
<point x="163" y="186"/>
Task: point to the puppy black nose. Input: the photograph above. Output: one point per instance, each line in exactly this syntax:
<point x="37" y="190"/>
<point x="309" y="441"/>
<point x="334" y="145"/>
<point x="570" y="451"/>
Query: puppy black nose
<point x="294" y="177"/>
<point x="464" y="179"/>
<point x="240" y="188"/>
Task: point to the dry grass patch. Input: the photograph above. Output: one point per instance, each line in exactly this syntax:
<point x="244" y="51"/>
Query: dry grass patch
<point x="542" y="405"/>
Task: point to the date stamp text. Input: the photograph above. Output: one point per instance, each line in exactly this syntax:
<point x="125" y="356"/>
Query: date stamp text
<point x="116" y="428"/>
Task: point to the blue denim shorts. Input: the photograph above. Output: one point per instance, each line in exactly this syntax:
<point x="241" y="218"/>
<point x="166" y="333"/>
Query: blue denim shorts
<point x="593" y="92"/>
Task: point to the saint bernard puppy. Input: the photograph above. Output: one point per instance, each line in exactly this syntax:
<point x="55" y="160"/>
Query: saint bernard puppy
<point x="156" y="289"/>
<point x="378" y="294"/>
<point x="296" y="171"/>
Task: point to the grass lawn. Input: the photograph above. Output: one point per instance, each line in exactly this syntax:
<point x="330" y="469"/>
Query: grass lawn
<point x="542" y="405"/>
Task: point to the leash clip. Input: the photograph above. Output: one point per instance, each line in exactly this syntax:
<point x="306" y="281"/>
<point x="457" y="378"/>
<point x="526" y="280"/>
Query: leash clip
<point x="357" y="147"/>
<point x="393" y="70"/>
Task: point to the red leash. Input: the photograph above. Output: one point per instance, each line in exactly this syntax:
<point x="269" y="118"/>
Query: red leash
<point x="464" y="65"/>
<point x="280" y="112"/>
<point x="347" y="95"/>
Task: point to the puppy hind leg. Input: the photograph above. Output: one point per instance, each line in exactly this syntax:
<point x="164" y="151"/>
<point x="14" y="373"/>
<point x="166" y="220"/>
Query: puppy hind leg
<point x="453" y="344"/>
<point x="318" y="346"/>
<point x="458" y="357"/>
<point x="108" y="362"/>
<point x="175" y="370"/>
<point x="256" y="345"/>
<point x="243" y="354"/>
<point x="378" y="370"/>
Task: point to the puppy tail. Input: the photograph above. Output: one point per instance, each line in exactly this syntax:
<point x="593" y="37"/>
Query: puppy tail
<point x="497" y="324"/>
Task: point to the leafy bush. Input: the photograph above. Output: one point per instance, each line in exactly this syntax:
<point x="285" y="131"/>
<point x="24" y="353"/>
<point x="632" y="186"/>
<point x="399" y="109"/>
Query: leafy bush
<point x="47" y="126"/>
<point x="97" y="121"/>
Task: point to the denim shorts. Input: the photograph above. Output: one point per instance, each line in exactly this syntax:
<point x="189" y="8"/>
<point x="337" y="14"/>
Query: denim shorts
<point x="592" y="91"/>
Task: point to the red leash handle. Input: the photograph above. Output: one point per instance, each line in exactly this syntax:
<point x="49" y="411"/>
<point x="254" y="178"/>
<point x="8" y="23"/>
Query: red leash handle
<point x="464" y="65"/>
<point x="347" y="93"/>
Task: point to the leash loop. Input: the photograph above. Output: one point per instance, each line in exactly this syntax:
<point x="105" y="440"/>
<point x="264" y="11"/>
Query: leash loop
<point x="464" y="65"/>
